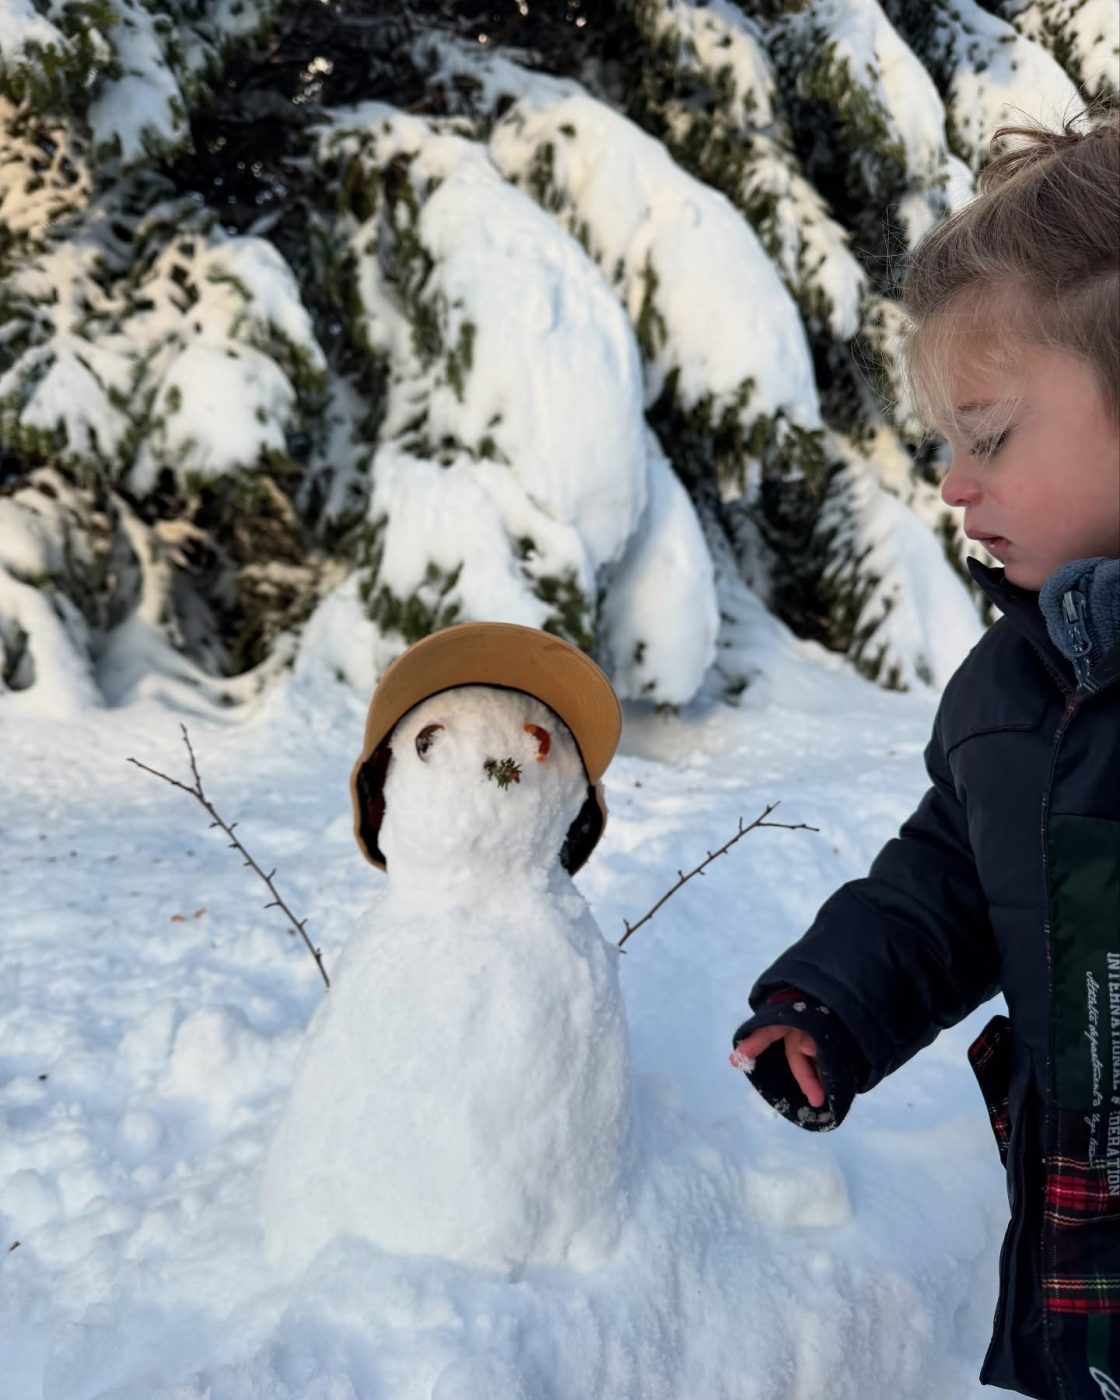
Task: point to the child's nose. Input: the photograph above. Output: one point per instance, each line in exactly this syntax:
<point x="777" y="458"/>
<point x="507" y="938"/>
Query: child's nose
<point x="958" y="487"/>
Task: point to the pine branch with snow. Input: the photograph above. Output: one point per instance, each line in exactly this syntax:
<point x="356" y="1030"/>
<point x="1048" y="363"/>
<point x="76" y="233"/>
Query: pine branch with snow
<point x="276" y="358"/>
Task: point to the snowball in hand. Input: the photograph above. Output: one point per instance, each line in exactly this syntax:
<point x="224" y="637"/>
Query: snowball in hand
<point x="464" y="1088"/>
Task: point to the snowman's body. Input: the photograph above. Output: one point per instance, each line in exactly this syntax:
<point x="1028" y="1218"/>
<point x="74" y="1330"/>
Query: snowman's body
<point x="464" y="1089"/>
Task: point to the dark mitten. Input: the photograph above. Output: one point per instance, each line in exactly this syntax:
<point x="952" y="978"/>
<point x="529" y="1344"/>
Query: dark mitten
<point x="840" y="1063"/>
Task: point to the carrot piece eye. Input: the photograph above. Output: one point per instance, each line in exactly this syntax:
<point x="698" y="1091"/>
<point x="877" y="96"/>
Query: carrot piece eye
<point x="543" y="738"/>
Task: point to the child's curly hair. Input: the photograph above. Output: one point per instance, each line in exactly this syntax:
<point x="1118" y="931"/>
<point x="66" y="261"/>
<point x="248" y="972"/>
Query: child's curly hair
<point x="1033" y="259"/>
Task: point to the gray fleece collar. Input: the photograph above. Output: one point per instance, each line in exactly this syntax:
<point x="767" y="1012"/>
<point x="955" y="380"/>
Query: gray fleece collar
<point x="1080" y="603"/>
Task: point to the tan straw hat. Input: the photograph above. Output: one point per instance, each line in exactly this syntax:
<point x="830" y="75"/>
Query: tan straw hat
<point x="498" y="654"/>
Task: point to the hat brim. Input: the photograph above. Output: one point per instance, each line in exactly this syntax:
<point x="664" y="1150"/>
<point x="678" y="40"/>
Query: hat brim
<point x="499" y="654"/>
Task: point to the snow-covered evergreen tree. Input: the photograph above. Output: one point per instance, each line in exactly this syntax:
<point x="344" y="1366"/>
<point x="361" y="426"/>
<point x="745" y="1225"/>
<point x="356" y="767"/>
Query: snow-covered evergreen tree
<point x="321" y="320"/>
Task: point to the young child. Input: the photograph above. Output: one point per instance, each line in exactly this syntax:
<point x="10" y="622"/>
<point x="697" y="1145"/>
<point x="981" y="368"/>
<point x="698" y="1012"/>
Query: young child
<point x="1007" y="876"/>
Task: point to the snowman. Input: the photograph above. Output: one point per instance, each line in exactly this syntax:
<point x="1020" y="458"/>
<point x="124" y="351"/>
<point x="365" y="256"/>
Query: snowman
<point x="464" y="1088"/>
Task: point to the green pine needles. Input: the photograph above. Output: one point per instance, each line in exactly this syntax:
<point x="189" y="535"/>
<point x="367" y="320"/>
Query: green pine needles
<point x="502" y="771"/>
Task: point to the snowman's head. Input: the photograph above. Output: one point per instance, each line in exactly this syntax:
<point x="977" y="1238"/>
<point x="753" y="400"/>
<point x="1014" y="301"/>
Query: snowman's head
<point x="479" y="778"/>
<point x="485" y="737"/>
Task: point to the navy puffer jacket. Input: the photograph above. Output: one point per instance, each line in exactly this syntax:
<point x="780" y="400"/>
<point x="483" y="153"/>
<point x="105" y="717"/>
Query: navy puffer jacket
<point x="1006" y="877"/>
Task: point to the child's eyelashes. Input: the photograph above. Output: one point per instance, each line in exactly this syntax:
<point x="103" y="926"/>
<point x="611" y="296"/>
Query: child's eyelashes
<point x="988" y="447"/>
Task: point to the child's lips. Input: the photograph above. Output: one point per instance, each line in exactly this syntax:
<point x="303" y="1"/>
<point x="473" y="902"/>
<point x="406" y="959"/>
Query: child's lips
<point x="994" y="544"/>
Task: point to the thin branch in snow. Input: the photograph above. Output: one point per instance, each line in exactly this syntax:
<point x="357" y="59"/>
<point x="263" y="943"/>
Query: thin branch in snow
<point x="683" y="879"/>
<point x="298" y="925"/>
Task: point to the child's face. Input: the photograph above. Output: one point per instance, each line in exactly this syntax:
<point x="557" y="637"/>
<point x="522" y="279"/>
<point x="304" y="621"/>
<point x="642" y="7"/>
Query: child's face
<point x="1048" y="490"/>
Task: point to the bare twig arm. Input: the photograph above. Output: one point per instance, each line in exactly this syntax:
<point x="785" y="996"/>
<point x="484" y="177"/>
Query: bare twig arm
<point x="683" y="879"/>
<point x="276" y="902"/>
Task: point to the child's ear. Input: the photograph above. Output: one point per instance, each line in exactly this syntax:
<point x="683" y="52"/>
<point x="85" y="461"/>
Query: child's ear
<point x="543" y="738"/>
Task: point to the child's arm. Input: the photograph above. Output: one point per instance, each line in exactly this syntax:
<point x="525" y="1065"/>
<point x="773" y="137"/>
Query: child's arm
<point x="890" y="960"/>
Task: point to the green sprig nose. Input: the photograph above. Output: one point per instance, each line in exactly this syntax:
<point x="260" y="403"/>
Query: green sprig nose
<point x="503" y="771"/>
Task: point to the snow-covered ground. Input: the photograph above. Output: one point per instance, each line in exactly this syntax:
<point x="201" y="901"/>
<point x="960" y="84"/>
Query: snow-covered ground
<point x="152" y="1010"/>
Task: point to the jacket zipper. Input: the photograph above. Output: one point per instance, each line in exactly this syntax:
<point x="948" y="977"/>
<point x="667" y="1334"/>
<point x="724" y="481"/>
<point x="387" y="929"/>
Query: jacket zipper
<point x="1077" y="634"/>
<point x="1073" y="703"/>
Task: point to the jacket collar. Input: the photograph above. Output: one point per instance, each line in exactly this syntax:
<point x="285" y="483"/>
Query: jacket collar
<point x="1020" y="607"/>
